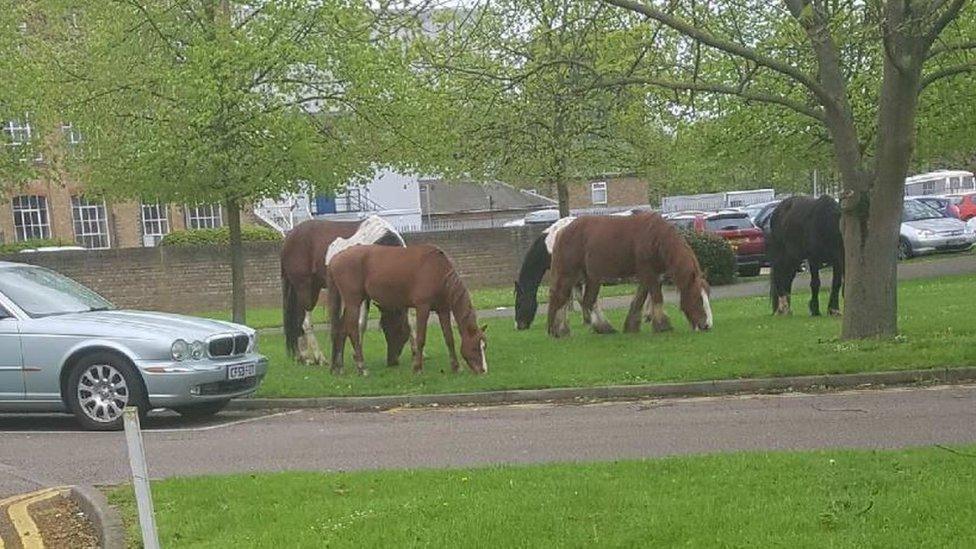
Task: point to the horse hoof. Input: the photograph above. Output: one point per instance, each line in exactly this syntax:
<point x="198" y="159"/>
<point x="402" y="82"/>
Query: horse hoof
<point x="836" y="312"/>
<point x="604" y="329"/>
<point x="661" y="326"/>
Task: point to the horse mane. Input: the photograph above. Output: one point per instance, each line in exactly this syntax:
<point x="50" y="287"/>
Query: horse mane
<point x="459" y="299"/>
<point x="534" y="266"/>
<point x="372" y="230"/>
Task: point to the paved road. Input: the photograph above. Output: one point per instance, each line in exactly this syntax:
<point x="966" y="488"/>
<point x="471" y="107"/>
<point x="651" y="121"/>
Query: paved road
<point x="327" y="440"/>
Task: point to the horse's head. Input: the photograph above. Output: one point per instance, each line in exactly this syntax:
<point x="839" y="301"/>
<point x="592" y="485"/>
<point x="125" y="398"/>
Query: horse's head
<point x="694" y="302"/>
<point x="526" y="305"/>
<point x="473" y="345"/>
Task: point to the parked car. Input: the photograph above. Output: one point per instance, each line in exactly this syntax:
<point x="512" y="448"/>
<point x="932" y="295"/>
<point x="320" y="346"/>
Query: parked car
<point x="925" y="230"/>
<point x="747" y="240"/>
<point x="65" y="348"/>
<point x="966" y="204"/>
<point x="761" y="213"/>
<point x="941" y="204"/>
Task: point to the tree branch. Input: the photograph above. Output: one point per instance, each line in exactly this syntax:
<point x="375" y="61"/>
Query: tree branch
<point x="733" y="48"/>
<point x="950" y="13"/>
<point x="721" y="89"/>
<point x="946" y="48"/>
<point x="946" y="72"/>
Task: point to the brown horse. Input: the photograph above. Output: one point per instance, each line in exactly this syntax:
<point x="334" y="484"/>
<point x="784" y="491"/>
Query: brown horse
<point x="599" y="248"/>
<point x="303" y="277"/>
<point x="421" y="277"/>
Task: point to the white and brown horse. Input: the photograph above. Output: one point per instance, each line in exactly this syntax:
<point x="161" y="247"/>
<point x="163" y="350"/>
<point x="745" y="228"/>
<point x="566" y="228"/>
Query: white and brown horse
<point x="643" y="246"/>
<point x="303" y="277"/>
<point x="419" y="277"/>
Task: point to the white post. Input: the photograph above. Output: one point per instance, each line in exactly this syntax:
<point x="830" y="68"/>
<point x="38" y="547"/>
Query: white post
<point x="140" y="477"/>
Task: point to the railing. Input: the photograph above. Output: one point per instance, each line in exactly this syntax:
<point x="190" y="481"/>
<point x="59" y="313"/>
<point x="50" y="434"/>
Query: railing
<point x="285" y="213"/>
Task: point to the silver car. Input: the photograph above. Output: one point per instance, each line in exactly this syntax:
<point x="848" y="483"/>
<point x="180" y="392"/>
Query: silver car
<point x="65" y="348"/>
<point x="925" y="230"/>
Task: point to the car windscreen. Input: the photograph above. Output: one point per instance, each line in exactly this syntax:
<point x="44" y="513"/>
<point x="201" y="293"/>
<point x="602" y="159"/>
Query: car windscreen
<point x="40" y="292"/>
<point x="682" y="222"/>
<point x="916" y="211"/>
<point x="728" y="223"/>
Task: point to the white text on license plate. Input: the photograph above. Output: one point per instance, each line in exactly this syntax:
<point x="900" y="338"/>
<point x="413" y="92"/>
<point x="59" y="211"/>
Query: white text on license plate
<point x="241" y="371"/>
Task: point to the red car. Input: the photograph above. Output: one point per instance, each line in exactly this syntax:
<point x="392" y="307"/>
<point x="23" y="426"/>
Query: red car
<point x="747" y="241"/>
<point x="966" y="204"/>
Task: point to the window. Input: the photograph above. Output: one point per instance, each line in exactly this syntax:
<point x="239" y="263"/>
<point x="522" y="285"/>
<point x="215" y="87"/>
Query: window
<point x="71" y="134"/>
<point x="17" y="133"/>
<point x="204" y="216"/>
<point x="598" y="192"/>
<point x="91" y="222"/>
<point x="967" y="182"/>
<point x="928" y="187"/>
<point x="155" y="223"/>
<point x="728" y="223"/>
<point x="31" y="218"/>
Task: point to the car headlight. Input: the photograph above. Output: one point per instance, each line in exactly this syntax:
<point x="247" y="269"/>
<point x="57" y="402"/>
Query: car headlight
<point x="180" y="350"/>
<point x="252" y="347"/>
<point x="198" y="350"/>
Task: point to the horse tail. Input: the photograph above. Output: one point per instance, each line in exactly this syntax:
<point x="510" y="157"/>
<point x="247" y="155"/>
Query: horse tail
<point x="334" y="300"/>
<point x="293" y="314"/>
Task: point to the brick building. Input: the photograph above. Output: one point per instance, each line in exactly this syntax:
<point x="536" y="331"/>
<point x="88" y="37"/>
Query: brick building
<point x="606" y="191"/>
<point x="48" y="210"/>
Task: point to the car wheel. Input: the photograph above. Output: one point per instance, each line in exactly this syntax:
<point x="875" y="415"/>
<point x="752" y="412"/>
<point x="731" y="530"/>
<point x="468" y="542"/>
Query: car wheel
<point x="202" y="410"/>
<point x="904" y="249"/>
<point x="99" y="387"/>
<point x="750" y="271"/>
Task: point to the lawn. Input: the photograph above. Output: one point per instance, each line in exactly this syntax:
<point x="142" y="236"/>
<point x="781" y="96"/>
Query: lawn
<point x="483" y="299"/>
<point x="935" y="319"/>
<point x="907" y="498"/>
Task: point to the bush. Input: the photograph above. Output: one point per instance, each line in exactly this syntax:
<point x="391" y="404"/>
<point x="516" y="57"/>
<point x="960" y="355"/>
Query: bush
<point x="15" y="247"/>
<point x="206" y="237"/>
<point x="715" y="255"/>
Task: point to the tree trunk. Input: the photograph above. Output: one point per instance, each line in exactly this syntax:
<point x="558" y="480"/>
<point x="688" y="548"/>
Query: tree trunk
<point x="562" y="193"/>
<point x="873" y="208"/>
<point x="236" y="261"/>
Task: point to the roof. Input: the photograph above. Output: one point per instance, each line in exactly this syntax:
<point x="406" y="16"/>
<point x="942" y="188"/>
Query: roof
<point x="447" y="197"/>
<point x="938" y="174"/>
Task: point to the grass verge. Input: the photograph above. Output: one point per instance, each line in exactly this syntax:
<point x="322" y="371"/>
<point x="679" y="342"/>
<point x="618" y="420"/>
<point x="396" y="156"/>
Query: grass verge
<point x="935" y="320"/>
<point x="907" y="498"/>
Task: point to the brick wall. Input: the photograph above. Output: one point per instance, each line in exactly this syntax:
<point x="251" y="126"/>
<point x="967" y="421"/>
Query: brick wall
<point x="198" y="279"/>
<point x="621" y="191"/>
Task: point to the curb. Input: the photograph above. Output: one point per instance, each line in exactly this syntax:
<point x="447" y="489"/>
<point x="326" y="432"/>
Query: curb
<point x="620" y="392"/>
<point x="104" y="517"/>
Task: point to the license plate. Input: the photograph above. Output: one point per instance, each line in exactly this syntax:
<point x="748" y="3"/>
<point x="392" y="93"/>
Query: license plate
<point x="241" y="371"/>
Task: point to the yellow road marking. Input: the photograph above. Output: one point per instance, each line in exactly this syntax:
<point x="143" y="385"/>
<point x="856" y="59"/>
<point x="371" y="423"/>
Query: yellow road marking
<point x="24" y="526"/>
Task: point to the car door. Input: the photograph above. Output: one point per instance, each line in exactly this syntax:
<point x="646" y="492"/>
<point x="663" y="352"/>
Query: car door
<point x="11" y="358"/>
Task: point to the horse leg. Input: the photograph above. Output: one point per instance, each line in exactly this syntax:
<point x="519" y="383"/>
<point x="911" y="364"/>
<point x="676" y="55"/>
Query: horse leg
<point x="578" y="296"/>
<point x="814" y="287"/>
<point x="833" y="307"/>
<point x="351" y="324"/>
<point x="659" y="319"/>
<point x="558" y="300"/>
<point x="445" y="318"/>
<point x="597" y="320"/>
<point x="633" y="323"/>
<point x="423" y="315"/>
<point x="783" y="275"/>
<point x="338" y="345"/>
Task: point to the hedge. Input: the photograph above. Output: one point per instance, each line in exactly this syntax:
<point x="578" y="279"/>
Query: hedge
<point x="15" y="247"/>
<point x="715" y="255"/>
<point x="204" y="237"/>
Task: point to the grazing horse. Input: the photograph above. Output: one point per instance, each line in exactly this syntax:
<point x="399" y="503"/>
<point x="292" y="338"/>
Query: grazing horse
<point x="534" y="266"/>
<point x="643" y="246"/>
<point x="419" y="277"/>
<point x="303" y="277"/>
<point x="803" y="227"/>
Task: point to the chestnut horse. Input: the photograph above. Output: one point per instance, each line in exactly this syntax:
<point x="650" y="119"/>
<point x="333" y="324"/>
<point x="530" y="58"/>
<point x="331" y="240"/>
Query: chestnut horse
<point x="645" y="246"/>
<point x="303" y="277"/>
<point x="420" y="277"/>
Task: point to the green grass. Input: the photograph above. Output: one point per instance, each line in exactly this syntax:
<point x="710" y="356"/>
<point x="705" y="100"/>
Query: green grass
<point x="483" y="299"/>
<point x="908" y="498"/>
<point x="935" y="320"/>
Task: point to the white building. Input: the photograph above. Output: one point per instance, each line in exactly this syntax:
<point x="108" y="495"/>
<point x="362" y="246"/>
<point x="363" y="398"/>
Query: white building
<point x="939" y="182"/>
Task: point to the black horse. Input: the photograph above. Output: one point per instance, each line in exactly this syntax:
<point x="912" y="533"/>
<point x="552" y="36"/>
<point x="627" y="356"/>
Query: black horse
<point x="805" y="228"/>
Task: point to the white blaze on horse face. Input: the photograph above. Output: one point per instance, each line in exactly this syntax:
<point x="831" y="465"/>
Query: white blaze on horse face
<point x="708" y="309"/>
<point x="484" y="359"/>
<point x="370" y="231"/>
<point x="553" y="231"/>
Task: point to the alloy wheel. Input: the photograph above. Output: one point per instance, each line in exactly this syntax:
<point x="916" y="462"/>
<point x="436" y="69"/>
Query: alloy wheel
<point x="102" y="393"/>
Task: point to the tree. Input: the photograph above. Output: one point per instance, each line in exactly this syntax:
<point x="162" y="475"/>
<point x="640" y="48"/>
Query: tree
<point x="212" y="101"/>
<point x="854" y="69"/>
<point x="519" y="102"/>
